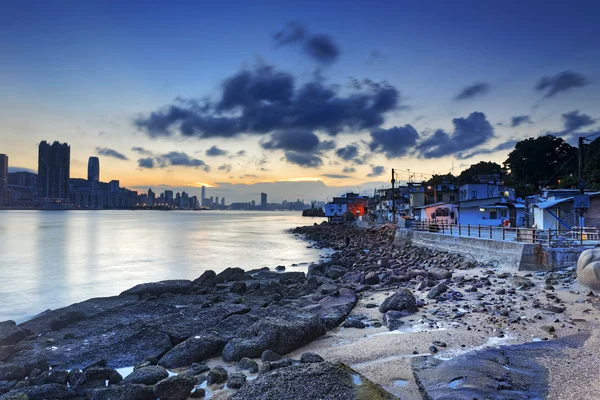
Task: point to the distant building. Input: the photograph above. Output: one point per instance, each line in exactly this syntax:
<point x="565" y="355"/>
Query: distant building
<point x="54" y="166"/>
<point x="114" y="186"/>
<point x="217" y="200"/>
<point x="169" y="197"/>
<point x="253" y="203"/>
<point x="203" y="196"/>
<point x="94" y="169"/>
<point x="263" y="200"/>
<point x="3" y="179"/>
<point x="222" y="201"/>
<point x="22" y="187"/>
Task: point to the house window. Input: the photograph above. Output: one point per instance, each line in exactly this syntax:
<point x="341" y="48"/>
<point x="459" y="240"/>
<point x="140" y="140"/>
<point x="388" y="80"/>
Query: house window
<point x="439" y="198"/>
<point x="442" y="212"/>
<point x="502" y="213"/>
<point x="451" y="198"/>
<point x="493" y="214"/>
<point x="474" y="194"/>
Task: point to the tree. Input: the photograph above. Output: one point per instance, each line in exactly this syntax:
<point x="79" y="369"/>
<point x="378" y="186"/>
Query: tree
<point x="541" y="161"/>
<point x="439" y="179"/>
<point x="483" y="170"/>
<point x="591" y="164"/>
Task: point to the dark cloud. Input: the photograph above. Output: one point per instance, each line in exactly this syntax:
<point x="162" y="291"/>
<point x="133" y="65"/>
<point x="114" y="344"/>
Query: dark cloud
<point x="173" y="158"/>
<point x="393" y="142"/>
<point x="519" y="120"/>
<point x="146" y="162"/>
<point x="469" y="133"/>
<point x="305" y="160"/>
<point x="562" y="82"/>
<point x="326" y="145"/>
<point x="263" y="101"/>
<point x="141" y="151"/>
<point x="349" y="170"/>
<point x="336" y="176"/>
<point x="319" y="47"/>
<point x="104" y="151"/>
<point x="508" y="145"/>
<point x="474" y="90"/>
<point x="574" y="120"/>
<point x="214" y="151"/>
<point x="241" y="153"/>
<point x="376" y="170"/>
<point x="347" y="153"/>
<point x="293" y="140"/>
<point x="225" y="167"/>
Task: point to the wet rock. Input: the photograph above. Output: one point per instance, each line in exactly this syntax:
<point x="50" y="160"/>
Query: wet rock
<point x="403" y="300"/>
<point x="66" y="319"/>
<point x="127" y="391"/>
<point x="247" y="364"/>
<point x="207" y="279"/>
<point x="97" y="377"/>
<point x="10" y="333"/>
<point x="353" y="323"/>
<point x="146" y="376"/>
<point x="197" y="369"/>
<point x="217" y="375"/>
<point x="307" y="358"/>
<point x="44" y="392"/>
<point x="437" y="290"/>
<point x="231" y="275"/>
<point x="238" y="287"/>
<point x="236" y="380"/>
<point x="74" y="376"/>
<point x="280" y="268"/>
<point x="7" y="351"/>
<point x="371" y="278"/>
<point x="195" y="349"/>
<point x="322" y="380"/>
<point x="174" y="388"/>
<point x="392" y="320"/>
<point x="548" y="328"/>
<point x="439" y="273"/>
<point x="12" y="372"/>
<point x="269" y="355"/>
<point x="521" y="283"/>
<point x="198" y="393"/>
<point x="176" y="286"/>
<point x="555" y="309"/>
<point x="15" y="396"/>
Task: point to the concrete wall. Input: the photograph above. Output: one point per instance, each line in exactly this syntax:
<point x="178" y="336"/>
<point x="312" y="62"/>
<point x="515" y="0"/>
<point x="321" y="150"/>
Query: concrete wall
<point x="507" y="254"/>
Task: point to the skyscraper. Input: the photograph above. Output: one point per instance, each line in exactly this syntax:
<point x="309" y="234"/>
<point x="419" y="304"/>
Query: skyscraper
<point x="3" y="179"/>
<point x="54" y="166"/>
<point x="263" y="200"/>
<point x="203" y="196"/>
<point x="94" y="169"/>
<point x="222" y="201"/>
<point x="169" y="197"/>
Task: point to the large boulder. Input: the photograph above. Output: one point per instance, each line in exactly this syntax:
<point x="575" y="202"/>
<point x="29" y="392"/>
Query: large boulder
<point x="174" y="388"/>
<point x="146" y="375"/>
<point x="588" y="269"/>
<point x="128" y="391"/>
<point x="195" y="349"/>
<point x="403" y="300"/>
<point x="175" y="286"/>
<point x="52" y="391"/>
<point x="10" y="333"/>
<point x="11" y="372"/>
<point x="322" y="380"/>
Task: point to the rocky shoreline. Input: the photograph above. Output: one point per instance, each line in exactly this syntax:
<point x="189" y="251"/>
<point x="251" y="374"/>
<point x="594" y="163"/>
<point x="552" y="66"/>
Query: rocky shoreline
<point x="227" y="335"/>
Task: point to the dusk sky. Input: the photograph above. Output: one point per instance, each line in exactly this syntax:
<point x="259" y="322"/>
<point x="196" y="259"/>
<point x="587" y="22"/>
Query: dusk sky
<point x="234" y="93"/>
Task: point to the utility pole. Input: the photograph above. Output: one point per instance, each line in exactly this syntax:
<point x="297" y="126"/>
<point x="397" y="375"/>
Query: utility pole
<point x="393" y="196"/>
<point x="580" y="183"/>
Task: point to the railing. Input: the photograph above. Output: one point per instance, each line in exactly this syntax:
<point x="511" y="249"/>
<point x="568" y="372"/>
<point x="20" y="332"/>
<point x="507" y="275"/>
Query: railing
<point x="586" y="236"/>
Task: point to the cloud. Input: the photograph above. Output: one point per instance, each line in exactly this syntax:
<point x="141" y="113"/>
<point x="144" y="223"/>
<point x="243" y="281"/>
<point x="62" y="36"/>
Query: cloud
<point x="508" y="145"/>
<point x="142" y="151"/>
<point x="519" y="120"/>
<point x="104" y="151"/>
<point x="336" y="176"/>
<point x="173" y="158"/>
<point x="146" y="162"/>
<point x="294" y="140"/>
<point x="376" y="171"/>
<point x="349" y="170"/>
<point x="305" y="160"/>
<point x="225" y="167"/>
<point x="561" y="82"/>
<point x="21" y="169"/>
<point x="394" y="142"/>
<point x="469" y="133"/>
<point x="474" y="90"/>
<point x="263" y="100"/>
<point x="574" y="120"/>
<point x="319" y="47"/>
<point x="376" y="56"/>
<point x="347" y="153"/>
<point x="214" y="151"/>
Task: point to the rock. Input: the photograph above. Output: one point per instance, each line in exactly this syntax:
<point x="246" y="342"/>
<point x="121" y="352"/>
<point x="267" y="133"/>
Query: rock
<point x="238" y="287"/>
<point x="95" y="377"/>
<point x="280" y="268"/>
<point x="12" y="372"/>
<point x="440" y="344"/>
<point x="195" y="349"/>
<point x="353" y="323"/>
<point x="311" y="381"/>
<point x="521" y="283"/>
<point x="283" y="363"/>
<point x="15" y="396"/>
<point x="335" y="271"/>
<point x="392" y="321"/>
<point x="44" y="392"/>
<point x="127" y="391"/>
<point x="146" y="375"/>
<point x="500" y="291"/>
<point x="207" y="279"/>
<point x="439" y="273"/>
<point x="178" y="286"/>
<point x="555" y="309"/>
<point x="230" y="275"/>
<point x="198" y="393"/>
<point x="236" y="380"/>
<point x="197" y="369"/>
<point x="66" y="319"/>
<point x="216" y="375"/>
<point x="548" y="328"/>
<point x="174" y="388"/>
<point x="10" y="333"/>
<point x="307" y="358"/>
<point x="247" y="364"/>
<point x="269" y="355"/>
<point x="437" y="290"/>
<point x="588" y="269"/>
<point x="74" y="376"/>
<point x="403" y="300"/>
<point x="371" y="278"/>
<point x="7" y="351"/>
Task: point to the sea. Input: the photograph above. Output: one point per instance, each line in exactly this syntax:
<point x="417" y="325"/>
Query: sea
<point x="50" y="259"/>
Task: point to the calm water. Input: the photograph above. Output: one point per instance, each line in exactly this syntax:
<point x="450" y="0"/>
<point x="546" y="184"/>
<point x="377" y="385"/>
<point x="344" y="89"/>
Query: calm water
<point x="50" y="259"/>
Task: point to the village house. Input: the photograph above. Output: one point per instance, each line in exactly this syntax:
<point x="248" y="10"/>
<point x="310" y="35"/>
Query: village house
<point x="490" y="204"/>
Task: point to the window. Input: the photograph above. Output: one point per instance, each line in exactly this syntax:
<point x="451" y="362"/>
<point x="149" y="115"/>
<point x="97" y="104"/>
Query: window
<point x="442" y="212"/>
<point x="451" y="198"/>
<point x="439" y="198"/>
<point x="474" y="194"/>
<point x="502" y="213"/>
<point x="494" y="214"/>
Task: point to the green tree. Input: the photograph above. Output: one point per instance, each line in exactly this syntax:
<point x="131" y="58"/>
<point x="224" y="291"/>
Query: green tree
<point x="541" y="161"/>
<point x="484" y="169"/>
<point x="591" y="164"/>
<point x="439" y="179"/>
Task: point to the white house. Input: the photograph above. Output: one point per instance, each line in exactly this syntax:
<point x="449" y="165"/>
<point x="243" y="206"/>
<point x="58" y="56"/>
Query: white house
<point x="491" y="214"/>
<point x="439" y="212"/>
<point x="335" y="209"/>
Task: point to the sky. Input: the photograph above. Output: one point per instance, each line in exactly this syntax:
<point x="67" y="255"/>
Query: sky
<point x="245" y="96"/>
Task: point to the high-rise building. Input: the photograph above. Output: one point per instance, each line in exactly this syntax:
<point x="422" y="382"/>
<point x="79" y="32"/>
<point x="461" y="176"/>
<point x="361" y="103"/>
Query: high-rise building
<point x="203" y="196"/>
<point x="263" y="200"/>
<point x="217" y="200"/>
<point x="169" y="197"/>
<point x="54" y="166"/>
<point x="222" y="201"/>
<point x="3" y="179"/>
<point x="114" y="186"/>
<point x="94" y="169"/>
